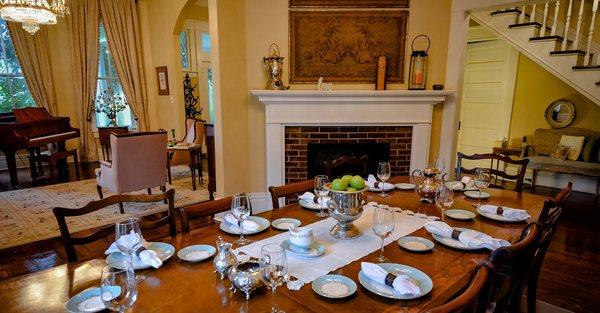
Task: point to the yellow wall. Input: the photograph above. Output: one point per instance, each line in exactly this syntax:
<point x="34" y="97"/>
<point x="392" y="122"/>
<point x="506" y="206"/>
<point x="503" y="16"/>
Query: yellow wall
<point x="535" y="89"/>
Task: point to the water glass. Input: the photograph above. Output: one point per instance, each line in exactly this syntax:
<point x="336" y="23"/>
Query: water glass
<point x="240" y="208"/>
<point x="118" y="288"/>
<point x="128" y="238"/>
<point x="384" y="171"/>
<point x="440" y="164"/>
<point x="383" y="226"/>
<point x="274" y="269"/>
<point x="482" y="181"/>
<point x="444" y="198"/>
<point x="321" y="192"/>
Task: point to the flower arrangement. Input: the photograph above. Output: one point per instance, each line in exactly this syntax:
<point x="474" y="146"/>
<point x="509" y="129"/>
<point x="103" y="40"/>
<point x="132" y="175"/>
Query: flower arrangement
<point x="110" y="104"/>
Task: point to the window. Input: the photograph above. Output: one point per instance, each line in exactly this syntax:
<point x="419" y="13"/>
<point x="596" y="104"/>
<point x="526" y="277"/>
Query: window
<point x="14" y="92"/>
<point x="183" y="46"/>
<point x="108" y="78"/>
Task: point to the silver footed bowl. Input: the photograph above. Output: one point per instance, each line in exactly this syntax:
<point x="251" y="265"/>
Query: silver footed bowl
<point x="345" y="207"/>
<point x="245" y="277"/>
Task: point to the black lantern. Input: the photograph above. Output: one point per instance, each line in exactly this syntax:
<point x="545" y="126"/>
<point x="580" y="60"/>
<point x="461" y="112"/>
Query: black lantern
<point x="417" y="79"/>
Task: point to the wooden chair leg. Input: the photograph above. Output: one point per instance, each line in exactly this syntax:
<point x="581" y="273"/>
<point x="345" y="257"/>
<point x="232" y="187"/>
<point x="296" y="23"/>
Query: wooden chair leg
<point x="76" y="161"/>
<point x="121" y="208"/>
<point x="99" y="189"/>
<point x="531" y="295"/>
<point x="51" y="166"/>
<point x="164" y="189"/>
<point x="149" y="191"/>
<point x="200" y="172"/>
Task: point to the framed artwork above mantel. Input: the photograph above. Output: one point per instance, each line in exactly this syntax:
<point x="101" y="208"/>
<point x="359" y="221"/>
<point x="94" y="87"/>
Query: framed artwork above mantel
<point x="350" y="3"/>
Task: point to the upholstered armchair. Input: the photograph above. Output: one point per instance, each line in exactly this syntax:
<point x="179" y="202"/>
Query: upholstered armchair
<point x="138" y="162"/>
<point x="192" y="145"/>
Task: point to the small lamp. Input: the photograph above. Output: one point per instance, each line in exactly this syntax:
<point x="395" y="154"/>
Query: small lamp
<point x="417" y="79"/>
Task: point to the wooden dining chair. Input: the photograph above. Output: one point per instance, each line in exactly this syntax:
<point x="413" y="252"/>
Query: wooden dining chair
<point x="202" y="210"/>
<point x="495" y="172"/>
<point x="289" y="190"/>
<point x="347" y="165"/>
<point x="146" y="223"/>
<point x="467" y="300"/>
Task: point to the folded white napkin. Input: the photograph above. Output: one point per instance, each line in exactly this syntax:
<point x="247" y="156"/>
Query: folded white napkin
<point x="469" y="238"/>
<point x="373" y="183"/>
<point x="310" y="197"/>
<point x="246" y="225"/>
<point x="402" y="284"/>
<point x="465" y="183"/>
<point x="139" y="245"/>
<point x="510" y="213"/>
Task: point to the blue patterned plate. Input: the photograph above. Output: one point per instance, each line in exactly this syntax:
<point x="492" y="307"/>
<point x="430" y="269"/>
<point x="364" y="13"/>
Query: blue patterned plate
<point x="459" y="214"/>
<point x="413" y="243"/>
<point x="316" y="250"/>
<point x="186" y="253"/>
<point x="73" y="305"/>
<point x="422" y="279"/>
<point x="323" y="284"/>
<point x="263" y="224"/>
<point x="285" y="223"/>
<point x="118" y="260"/>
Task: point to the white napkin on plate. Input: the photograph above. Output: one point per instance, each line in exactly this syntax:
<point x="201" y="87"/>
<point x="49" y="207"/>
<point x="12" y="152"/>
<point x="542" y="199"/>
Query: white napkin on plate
<point x="465" y="183"/>
<point x="246" y="225"/>
<point x="510" y="213"/>
<point x="310" y="197"/>
<point x="372" y="181"/>
<point x="139" y="245"/>
<point x="469" y="238"/>
<point x="402" y="284"/>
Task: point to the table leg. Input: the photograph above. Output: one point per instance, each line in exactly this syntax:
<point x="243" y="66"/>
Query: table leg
<point x="193" y="168"/>
<point x="533" y="176"/>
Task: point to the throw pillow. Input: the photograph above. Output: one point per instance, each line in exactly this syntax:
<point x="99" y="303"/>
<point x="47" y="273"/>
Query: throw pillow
<point x="588" y="153"/>
<point x="560" y="152"/>
<point x="575" y="143"/>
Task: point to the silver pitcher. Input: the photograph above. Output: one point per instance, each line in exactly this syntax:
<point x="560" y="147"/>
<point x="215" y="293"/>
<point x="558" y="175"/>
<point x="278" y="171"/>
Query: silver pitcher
<point x="225" y="258"/>
<point x="245" y="277"/>
<point x="427" y="186"/>
<point x="345" y="207"/>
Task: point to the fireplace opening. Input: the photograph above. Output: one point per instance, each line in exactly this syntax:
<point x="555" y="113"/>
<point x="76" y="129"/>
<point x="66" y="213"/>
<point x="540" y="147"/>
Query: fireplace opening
<point x="319" y="153"/>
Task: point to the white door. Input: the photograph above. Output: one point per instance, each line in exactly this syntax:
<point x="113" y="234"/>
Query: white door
<point x="487" y="96"/>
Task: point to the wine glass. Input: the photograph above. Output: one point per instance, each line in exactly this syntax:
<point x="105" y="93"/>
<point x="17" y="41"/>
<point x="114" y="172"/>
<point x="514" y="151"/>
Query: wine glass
<point x="482" y="181"/>
<point x="274" y="269"/>
<point x="240" y="208"/>
<point x="320" y="191"/>
<point x="440" y="165"/>
<point x="383" y="226"/>
<point x="444" y="198"/>
<point x="118" y="288"/>
<point x="128" y="238"/>
<point x="384" y="171"/>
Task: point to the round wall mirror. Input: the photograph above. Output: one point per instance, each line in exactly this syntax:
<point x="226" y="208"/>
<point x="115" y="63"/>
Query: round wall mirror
<point x="560" y="113"/>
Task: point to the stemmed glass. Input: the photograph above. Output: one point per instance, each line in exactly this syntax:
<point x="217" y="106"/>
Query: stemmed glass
<point x="444" y="198"/>
<point x="240" y="208"/>
<point x="320" y="191"/>
<point x="440" y="165"/>
<point x="118" y="288"/>
<point x="482" y="181"/>
<point x="383" y="226"/>
<point x="274" y="269"/>
<point x="128" y="237"/>
<point x="384" y="171"/>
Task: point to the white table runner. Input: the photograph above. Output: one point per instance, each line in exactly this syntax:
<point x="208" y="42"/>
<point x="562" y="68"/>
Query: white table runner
<point x="339" y="253"/>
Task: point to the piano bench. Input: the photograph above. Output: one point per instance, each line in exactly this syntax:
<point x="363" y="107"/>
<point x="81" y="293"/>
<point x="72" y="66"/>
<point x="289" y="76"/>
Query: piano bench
<point x="52" y="158"/>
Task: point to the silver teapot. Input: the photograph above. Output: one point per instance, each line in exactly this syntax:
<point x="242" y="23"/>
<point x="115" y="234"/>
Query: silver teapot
<point x="225" y="258"/>
<point x="245" y="277"/>
<point x="345" y="207"/>
<point x="427" y="186"/>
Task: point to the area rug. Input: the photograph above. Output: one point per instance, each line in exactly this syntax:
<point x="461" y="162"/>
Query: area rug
<point x="26" y="214"/>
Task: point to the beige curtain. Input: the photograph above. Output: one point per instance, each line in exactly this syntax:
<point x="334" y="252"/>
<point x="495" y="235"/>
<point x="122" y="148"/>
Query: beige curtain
<point x="83" y="25"/>
<point x="122" y="31"/>
<point x="34" y="58"/>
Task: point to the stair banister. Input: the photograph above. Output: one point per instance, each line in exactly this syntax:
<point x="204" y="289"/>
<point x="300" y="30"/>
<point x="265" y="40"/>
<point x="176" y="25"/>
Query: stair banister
<point x="556" y="8"/>
<point x="532" y="16"/>
<point x="543" y="30"/>
<point x="575" y="44"/>
<point x="586" y="59"/>
<point x="567" y="25"/>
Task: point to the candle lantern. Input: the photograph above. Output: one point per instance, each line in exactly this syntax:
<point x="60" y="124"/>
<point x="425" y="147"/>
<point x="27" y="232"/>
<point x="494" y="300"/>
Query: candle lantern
<point x="417" y="79"/>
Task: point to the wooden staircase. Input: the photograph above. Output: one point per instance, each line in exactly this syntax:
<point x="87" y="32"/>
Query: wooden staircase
<point x="555" y="41"/>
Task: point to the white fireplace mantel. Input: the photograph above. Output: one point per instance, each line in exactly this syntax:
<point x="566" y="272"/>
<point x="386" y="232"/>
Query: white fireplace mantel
<point x="348" y="108"/>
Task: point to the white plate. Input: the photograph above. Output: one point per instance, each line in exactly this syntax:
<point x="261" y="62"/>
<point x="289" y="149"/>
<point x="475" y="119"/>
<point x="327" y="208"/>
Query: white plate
<point x="311" y="205"/>
<point x="263" y="224"/>
<point x="475" y="194"/>
<point x="497" y="217"/>
<point x="451" y="184"/>
<point x="424" y="280"/>
<point x="417" y="244"/>
<point x="316" y="250"/>
<point x="405" y="186"/>
<point x="317" y="285"/>
<point x="184" y="253"/>
<point x="72" y="305"/>
<point x="458" y="214"/>
<point x="118" y="260"/>
<point x="453" y="243"/>
<point x="284" y="223"/>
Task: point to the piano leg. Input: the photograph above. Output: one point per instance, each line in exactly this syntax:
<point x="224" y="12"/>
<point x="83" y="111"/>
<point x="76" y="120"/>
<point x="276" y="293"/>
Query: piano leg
<point x="12" y="169"/>
<point x="33" y="164"/>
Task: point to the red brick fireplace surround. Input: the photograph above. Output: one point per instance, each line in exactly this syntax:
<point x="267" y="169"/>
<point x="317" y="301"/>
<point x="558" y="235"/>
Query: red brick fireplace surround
<point x="297" y="139"/>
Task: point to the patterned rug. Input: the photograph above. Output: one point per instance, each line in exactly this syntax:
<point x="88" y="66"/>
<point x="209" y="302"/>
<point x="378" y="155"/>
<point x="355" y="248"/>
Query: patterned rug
<point x="26" y="214"/>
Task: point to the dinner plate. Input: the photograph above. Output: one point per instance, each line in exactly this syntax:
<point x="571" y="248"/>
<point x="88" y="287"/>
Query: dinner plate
<point x="319" y="286"/>
<point x="311" y="205"/>
<point x="316" y="250"/>
<point x="285" y="223"/>
<point x="458" y="214"/>
<point x="185" y="253"/>
<point x="416" y="244"/>
<point x="454" y="243"/>
<point x="72" y="305"/>
<point x="379" y="189"/>
<point x="475" y="194"/>
<point x="405" y="186"/>
<point x="118" y="260"/>
<point x="451" y="185"/>
<point x="497" y="217"/>
<point x="263" y="224"/>
<point x="423" y="280"/>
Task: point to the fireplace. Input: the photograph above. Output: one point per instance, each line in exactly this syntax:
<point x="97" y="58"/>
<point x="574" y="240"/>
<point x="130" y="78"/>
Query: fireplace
<point x="319" y="153"/>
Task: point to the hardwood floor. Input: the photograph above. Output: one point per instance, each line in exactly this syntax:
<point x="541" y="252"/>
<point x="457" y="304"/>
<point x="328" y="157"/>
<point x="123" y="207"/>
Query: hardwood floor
<point x="569" y="279"/>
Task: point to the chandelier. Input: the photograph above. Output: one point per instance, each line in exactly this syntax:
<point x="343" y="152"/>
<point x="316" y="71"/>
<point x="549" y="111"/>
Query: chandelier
<point x="33" y="13"/>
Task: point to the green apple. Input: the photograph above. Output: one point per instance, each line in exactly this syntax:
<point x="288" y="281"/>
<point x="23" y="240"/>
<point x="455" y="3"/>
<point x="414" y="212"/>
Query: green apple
<point x="339" y="185"/>
<point x="357" y="182"/>
<point x="350" y="189"/>
<point x="347" y="178"/>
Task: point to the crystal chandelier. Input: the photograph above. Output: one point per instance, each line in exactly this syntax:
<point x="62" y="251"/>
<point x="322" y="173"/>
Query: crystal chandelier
<point x="33" y="13"/>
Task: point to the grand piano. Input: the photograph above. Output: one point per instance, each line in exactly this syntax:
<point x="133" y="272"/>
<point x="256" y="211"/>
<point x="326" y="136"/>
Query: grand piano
<point x="31" y="129"/>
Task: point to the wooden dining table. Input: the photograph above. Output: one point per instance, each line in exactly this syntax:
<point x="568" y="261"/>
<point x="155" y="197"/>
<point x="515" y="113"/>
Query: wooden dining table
<point x="180" y="286"/>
